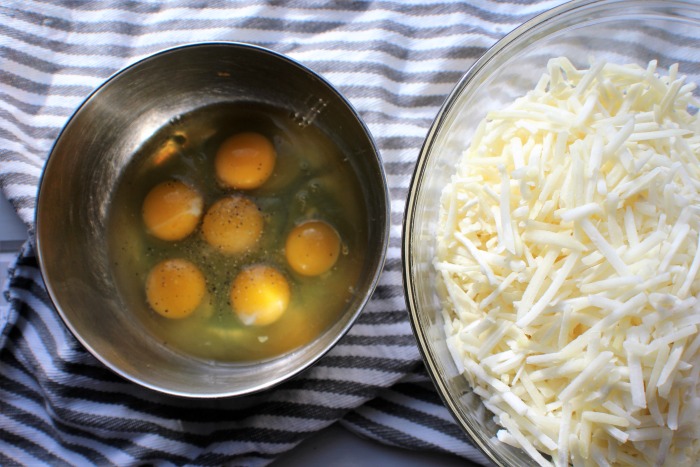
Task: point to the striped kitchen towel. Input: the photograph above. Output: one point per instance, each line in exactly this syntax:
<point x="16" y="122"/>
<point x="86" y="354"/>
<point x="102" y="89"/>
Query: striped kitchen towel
<point x="396" y="61"/>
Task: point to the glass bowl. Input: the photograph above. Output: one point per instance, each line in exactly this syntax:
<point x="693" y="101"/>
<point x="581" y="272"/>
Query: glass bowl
<point x="618" y="31"/>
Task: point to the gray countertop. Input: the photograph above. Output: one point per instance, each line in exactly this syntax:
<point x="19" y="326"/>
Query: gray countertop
<point x="12" y="231"/>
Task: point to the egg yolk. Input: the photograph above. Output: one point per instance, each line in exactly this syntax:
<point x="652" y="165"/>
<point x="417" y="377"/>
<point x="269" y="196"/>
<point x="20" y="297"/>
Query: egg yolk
<point x="312" y="248"/>
<point x="174" y="288"/>
<point x="259" y="295"/>
<point x="233" y="224"/>
<point x="245" y="161"/>
<point x="171" y="210"/>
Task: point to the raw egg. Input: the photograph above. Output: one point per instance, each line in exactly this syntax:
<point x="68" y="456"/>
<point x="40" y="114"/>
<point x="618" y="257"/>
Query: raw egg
<point x="238" y="297"/>
<point x="245" y="161"/>
<point x="259" y="295"/>
<point x="174" y="288"/>
<point x="312" y="247"/>
<point x="233" y="224"/>
<point x="171" y="210"/>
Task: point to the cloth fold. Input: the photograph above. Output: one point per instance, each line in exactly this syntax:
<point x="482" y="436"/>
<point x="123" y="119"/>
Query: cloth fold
<point x="395" y="61"/>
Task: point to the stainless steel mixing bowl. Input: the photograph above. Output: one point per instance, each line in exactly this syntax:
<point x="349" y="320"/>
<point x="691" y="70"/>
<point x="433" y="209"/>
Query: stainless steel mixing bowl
<point x="89" y="157"/>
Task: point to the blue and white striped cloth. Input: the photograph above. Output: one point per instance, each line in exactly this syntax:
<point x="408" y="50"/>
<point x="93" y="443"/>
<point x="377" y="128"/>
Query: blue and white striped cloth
<point x="396" y="61"/>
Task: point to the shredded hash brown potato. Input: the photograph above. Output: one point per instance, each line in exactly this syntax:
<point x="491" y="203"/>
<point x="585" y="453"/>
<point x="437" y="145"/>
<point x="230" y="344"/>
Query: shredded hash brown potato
<point x="568" y="257"/>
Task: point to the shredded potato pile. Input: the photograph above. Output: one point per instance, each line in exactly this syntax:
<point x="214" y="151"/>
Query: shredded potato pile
<point x="568" y="257"/>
